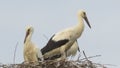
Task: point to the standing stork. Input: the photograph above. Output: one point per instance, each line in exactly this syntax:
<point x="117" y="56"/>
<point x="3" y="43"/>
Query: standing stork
<point x="31" y="52"/>
<point x="60" y="42"/>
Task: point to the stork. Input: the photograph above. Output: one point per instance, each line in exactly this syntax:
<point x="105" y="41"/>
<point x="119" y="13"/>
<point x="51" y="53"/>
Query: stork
<point x="31" y="51"/>
<point x="60" y="42"/>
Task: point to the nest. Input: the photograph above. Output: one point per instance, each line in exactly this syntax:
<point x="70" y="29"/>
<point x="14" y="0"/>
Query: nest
<point x="59" y="64"/>
<point x="79" y="63"/>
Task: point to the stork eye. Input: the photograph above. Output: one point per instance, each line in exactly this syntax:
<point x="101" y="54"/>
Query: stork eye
<point x="28" y="31"/>
<point x="84" y="13"/>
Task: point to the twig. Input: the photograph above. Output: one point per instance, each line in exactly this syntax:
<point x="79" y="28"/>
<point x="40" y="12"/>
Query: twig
<point x="85" y="56"/>
<point x="110" y="64"/>
<point x="79" y="57"/>
<point x="91" y="57"/>
<point x="15" y="53"/>
<point x="89" y="63"/>
<point x="104" y="64"/>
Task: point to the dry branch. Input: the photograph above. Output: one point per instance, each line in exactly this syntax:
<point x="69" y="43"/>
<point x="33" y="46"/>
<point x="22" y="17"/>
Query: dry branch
<point x="15" y="53"/>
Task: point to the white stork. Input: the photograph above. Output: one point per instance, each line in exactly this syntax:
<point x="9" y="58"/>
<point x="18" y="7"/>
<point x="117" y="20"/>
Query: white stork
<point x="60" y="42"/>
<point x="31" y="52"/>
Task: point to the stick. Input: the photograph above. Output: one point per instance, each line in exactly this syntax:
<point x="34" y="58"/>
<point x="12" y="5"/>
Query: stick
<point x="79" y="57"/>
<point x="15" y="53"/>
<point x="85" y="56"/>
<point x="91" y="57"/>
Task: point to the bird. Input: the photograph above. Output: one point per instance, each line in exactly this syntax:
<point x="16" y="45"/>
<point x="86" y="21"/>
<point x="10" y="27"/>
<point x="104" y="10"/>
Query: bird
<point x="31" y="51"/>
<point x="61" y="41"/>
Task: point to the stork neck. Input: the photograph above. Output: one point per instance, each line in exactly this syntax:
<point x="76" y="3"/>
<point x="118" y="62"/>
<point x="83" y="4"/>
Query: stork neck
<point x="79" y="27"/>
<point x="80" y="24"/>
<point x="80" y="20"/>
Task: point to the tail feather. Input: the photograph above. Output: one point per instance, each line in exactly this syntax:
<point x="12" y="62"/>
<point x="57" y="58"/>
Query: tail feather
<point x="39" y="55"/>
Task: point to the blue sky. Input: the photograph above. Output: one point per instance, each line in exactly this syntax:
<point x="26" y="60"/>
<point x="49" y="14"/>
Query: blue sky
<point x="50" y="16"/>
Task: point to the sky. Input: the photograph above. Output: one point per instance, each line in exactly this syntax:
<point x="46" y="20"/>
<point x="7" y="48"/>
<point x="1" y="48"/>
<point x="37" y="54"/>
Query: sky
<point x="50" y="16"/>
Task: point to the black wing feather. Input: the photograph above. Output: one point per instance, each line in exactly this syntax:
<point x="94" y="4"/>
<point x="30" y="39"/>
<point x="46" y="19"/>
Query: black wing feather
<point x="53" y="45"/>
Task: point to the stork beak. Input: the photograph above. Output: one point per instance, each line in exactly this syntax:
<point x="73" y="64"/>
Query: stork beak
<point x="27" y="33"/>
<point x="86" y="19"/>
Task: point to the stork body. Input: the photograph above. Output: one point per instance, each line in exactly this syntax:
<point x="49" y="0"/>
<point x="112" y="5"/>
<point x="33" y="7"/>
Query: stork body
<point x="63" y="40"/>
<point x="31" y="52"/>
<point x="73" y="49"/>
<point x="71" y="52"/>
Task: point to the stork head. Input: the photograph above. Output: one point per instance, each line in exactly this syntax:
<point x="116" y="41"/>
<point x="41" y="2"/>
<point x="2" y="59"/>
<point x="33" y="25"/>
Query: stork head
<point x="82" y="13"/>
<point x="29" y="29"/>
<point x="29" y="32"/>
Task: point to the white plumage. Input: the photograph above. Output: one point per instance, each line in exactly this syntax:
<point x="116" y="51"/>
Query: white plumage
<point x="73" y="49"/>
<point x="31" y="52"/>
<point x="63" y="40"/>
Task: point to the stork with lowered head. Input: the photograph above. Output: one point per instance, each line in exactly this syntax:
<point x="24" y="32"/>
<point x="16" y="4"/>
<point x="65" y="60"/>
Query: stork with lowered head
<point x="31" y="52"/>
